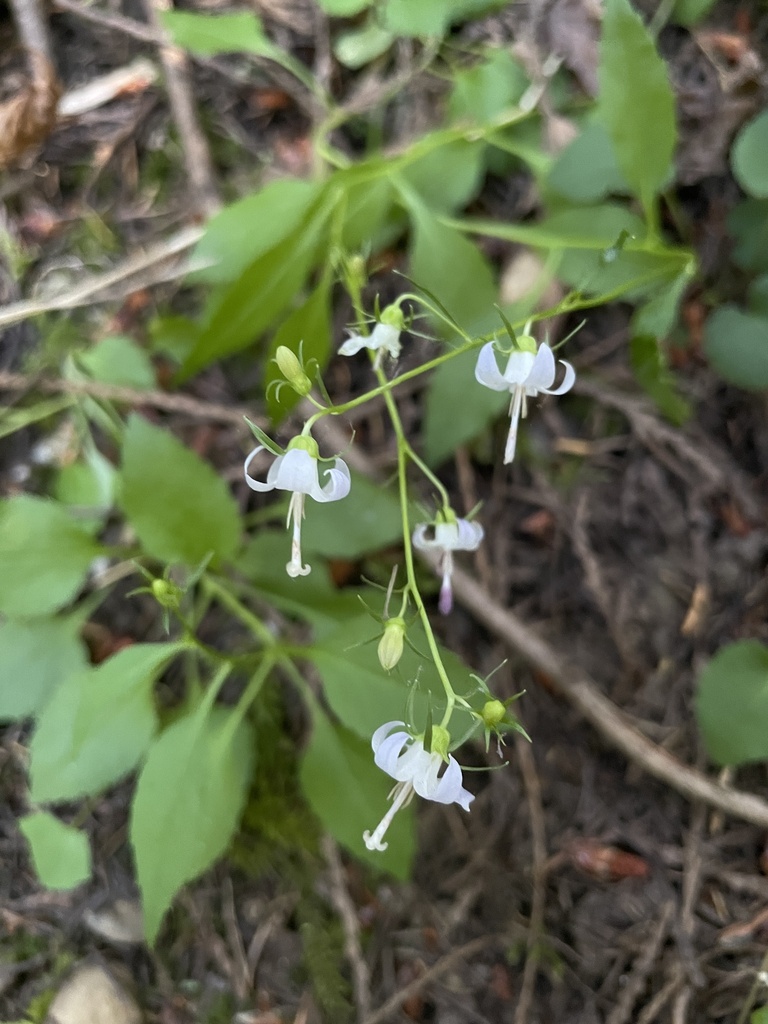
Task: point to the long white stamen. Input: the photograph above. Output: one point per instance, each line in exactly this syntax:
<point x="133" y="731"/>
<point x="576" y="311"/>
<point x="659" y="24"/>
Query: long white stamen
<point x="296" y="513"/>
<point x="445" y="602"/>
<point x="514" y="413"/>
<point x="403" y="792"/>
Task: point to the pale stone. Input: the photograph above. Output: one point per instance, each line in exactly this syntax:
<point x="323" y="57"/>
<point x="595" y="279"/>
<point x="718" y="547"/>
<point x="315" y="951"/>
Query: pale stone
<point x="92" y="996"/>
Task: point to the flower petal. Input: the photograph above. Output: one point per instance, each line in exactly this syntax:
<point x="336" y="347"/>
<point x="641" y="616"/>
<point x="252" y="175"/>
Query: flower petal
<point x="542" y="372"/>
<point x="424" y="779"/>
<point x="257" y="485"/>
<point x="388" y="756"/>
<point x="470" y="535"/>
<point x="387" y="337"/>
<point x="568" y="381"/>
<point x="338" y="484"/>
<point x="382" y="732"/>
<point x="519" y="366"/>
<point x="421" y="541"/>
<point x="487" y="369"/>
<point x="297" y="471"/>
<point x="353" y="344"/>
<point x="450" y="789"/>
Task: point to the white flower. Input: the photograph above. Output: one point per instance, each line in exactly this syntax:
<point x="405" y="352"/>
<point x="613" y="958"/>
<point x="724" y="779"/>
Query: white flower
<point x="447" y="537"/>
<point x="415" y="770"/>
<point x="298" y="471"/>
<point x="385" y="336"/>
<point x="527" y="373"/>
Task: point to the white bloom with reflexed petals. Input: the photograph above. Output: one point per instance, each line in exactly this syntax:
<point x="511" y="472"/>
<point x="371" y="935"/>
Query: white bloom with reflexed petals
<point x="298" y="471"/>
<point x="415" y="770"/>
<point x="385" y="336"/>
<point x="447" y="537"/>
<point x="527" y="374"/>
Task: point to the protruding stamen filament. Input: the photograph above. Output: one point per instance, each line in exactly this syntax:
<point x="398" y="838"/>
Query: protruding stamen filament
<point x="295" y="568"/>
<point x="403" y="792"/>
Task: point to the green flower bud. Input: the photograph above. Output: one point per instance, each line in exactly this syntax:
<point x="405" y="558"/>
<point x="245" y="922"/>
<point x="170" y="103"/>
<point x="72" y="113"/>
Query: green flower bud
<point x="390" y="648"/>
<point x="441" y="741"/>
<point x="393" y="316"/>
<point x="292" y="370"/>
<point x="305" y="442"/>
<point x="493" y="713"/>
<point x="525" y="343"/>
<point x="167" y="594"/>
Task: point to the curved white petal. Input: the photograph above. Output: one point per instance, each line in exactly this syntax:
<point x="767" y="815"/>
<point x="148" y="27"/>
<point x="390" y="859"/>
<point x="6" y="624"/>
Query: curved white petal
<point x="568" y="381"/>
<point x="425" y="780"/>
<point x="450" y="789"/>
<point x="446" y="536"/>
<point x="470" y="535"/>
<point x="353" y="344"/>
<point x="487" y="369"/>
<point x="297" y="472"/>
<point x="338" y="484"/>
<point x="257" y="485"/>
<point x="519" y="366"/>
<point x="382" y="732"/>
<point x="542" y="372"/>
<point x="388" y="756"/>
<point x="421" y="541"/>
<point x="387" y="337"/>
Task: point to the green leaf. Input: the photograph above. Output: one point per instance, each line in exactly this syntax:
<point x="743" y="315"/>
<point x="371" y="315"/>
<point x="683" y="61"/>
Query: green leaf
<point x="250" y="227"/>
<point x="749" y="223"/>
<point x="188" y="803"/>
<point x="636" y="101"/>
<point x="688" y="12"/>
<point x="736" y="344"/>
<point x="210" y="34"/>
<point x="316" y="600"/>
<point x="348" y="793"/>
<point x="35" y="657"/>
<point x="13" y="419"/>
<point x="240" y="313"/>
<point x="453" y="387"/>
<point x="759" y="1016"/>
<point x="119" y="360"/>
<point x="451" y="267"/>
<point x="586" y="171"/>
<point x="732" y="703"/>
<point x="367" y="209"/>
<point x="659" y="314"/>
<point x="44" y="556"/>
<point x="652" y="372"/>
<point x="483" y="92"/>
<point x="448" y="177"/>
<point x="97" y="725"/>
<point x="362" y="694"/>
<point x="757" y="295"/>
<point x="431" y="17"/>
<point x="368" y="519"/>
<point x="88" y="483"/>
<point x="343" y="8"/>
<point x="60" y="853"/>
<point x="307" y="329"/>
<point x="180" y="508"/>
<point x="360" y="46"/>
<point x="749" y="157"/>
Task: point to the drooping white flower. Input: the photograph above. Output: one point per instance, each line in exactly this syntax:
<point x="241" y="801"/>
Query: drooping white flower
<point x="447" y="536"/>
<point x="298" y="471"/>
<point x="385" y="336"/>
<point x="528" y="373"/>
<point x="415" y="770"/>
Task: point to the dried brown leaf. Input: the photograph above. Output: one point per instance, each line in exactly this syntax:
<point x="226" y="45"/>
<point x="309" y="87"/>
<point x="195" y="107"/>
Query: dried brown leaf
<point x="28" y="118"/>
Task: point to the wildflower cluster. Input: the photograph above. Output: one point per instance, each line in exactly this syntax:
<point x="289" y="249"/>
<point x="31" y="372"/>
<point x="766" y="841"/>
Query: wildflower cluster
<point x="419" y="761"/>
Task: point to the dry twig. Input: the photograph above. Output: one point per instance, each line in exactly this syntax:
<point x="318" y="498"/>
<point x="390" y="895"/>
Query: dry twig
<point x="637" y="979"/>
<point x="345" y="908"/>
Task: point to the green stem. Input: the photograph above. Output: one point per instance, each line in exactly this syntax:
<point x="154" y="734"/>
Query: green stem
<point x="251" y="692"/>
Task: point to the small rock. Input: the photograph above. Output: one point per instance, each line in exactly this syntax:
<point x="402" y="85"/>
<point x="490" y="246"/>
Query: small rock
<point x="119" y="922"/>
<point x="92" y="996"/>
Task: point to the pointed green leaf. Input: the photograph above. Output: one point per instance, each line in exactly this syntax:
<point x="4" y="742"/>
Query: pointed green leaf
<point x="35" y="657"/>
<point x="60" y="853"/>
<point x="44" y="556"/>
<point x="636" y="101"/>
<point x="732" y="703"/>
<point x="736" y="344"/>
<point x="749" y="157"/>
<point x="97" y="724"/>
<point x="179" y="506"/>
<point x="210" y="34"/>
<point x="188" y="803"/>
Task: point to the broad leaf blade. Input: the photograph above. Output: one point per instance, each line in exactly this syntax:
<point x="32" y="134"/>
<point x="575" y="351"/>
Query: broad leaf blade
<point x="736" y="344"/>
<point x="60" y="853"/>
<point x="97" y="725"/>
<point x="732" y="703"/>
<point x="188" y="803"/>
<point x="180" y="508"/>
<point x="35" y="657"/>
<point x="636" y="101"/>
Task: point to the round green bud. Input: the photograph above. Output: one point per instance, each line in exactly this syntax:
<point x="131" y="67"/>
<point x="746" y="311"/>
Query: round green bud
<point x="525" y="343"/>
<point x="390" y="648"/>
<point x="493" y="713"/>
<point x="441" y="741"/>
<point x="167" y="594"/>
<point x="292" y="370"/>
<point x="306" y="443"/>
<point x="393" y="316"/>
